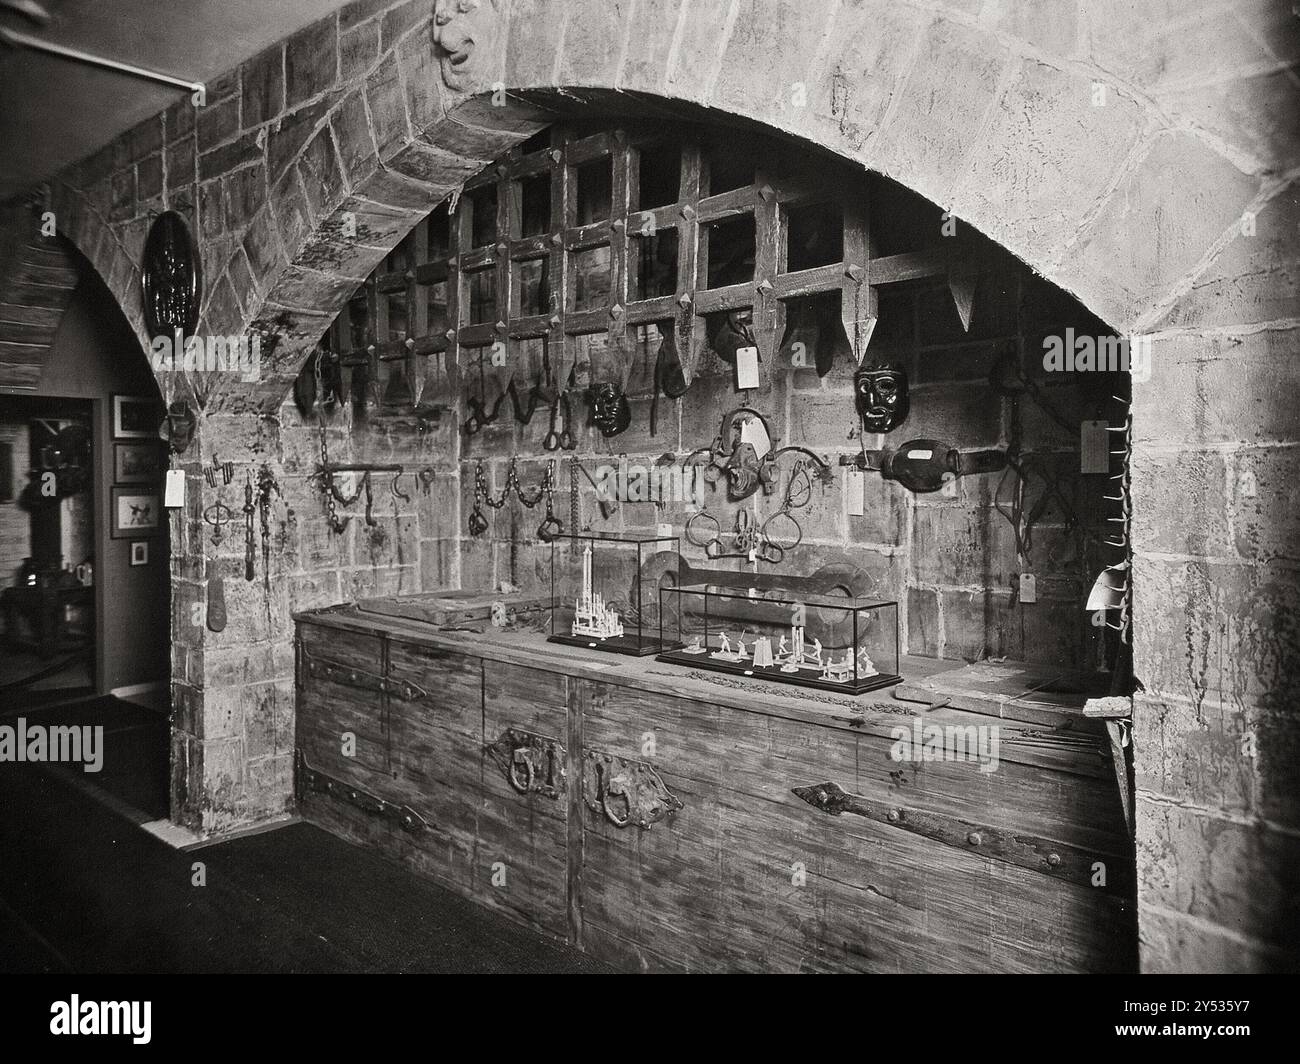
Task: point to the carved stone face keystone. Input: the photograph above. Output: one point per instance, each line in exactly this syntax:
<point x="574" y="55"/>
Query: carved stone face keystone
<point x="464" y="31"/>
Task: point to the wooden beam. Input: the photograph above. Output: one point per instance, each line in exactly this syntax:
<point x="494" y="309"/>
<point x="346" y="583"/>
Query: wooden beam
<point x="859" y="302"/>
<point x="689" y="326"/>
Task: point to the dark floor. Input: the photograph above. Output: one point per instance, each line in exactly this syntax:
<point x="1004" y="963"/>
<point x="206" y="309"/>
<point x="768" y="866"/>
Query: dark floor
<point x="84" y="889"/>
<point x="29" y="679"/>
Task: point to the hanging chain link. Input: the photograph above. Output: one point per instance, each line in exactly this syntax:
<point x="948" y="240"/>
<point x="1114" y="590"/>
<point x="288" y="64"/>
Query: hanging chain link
<point x="328" y="490"/>
<point x="478" y="523"/>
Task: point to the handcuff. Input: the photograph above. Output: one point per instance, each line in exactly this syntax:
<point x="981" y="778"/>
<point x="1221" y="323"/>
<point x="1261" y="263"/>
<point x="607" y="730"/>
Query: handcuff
<point x="523" y="414"/>
<point x="751" y="543"/>
<point x="479" y="418"/>
<point x="551" y="528"/>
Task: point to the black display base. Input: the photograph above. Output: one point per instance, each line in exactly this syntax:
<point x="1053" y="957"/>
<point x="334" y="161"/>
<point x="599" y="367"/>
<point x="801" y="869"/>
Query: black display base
<point x="773" y="672"/>
<point x="624" y="644"/>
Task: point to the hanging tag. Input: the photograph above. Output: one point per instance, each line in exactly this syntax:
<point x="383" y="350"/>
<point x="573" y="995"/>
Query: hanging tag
<point x="174" y="489"/>
<point x="855" y="483"/>
<point x="746" y="368"/>
<point x="1028" y="588"/>
<point x="753" y="433"/>
<point x="1094" y="447"/>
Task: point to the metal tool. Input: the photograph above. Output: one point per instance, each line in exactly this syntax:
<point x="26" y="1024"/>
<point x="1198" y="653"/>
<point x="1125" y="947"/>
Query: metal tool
<point x="561" y="435"/>
<point x="249" y="508"/>
<point x="218" y="515"/>
<point x="479" y="418"/>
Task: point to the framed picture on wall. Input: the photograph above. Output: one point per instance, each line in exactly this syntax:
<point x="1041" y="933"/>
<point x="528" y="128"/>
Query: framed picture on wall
<point x="136" y="513"/>
<point x="137" y="463"/>
<point x="135" y="417"/>
<point x="140" y="552"/>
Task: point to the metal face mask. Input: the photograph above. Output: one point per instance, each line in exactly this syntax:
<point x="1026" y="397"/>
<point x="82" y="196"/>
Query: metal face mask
<point x="880" y="394"/>
<point x="609" y="409"/>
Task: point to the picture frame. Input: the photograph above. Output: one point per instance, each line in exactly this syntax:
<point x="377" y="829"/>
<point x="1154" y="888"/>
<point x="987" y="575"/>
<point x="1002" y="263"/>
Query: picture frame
<point x="135" y="417"/>
<point x="139" y="552"/>
<point x="136" y="512"/>
<point x="137" y="463"/>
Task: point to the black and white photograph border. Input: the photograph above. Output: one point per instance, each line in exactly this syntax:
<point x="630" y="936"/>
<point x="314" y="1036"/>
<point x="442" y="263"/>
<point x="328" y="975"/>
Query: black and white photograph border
<point x="745" y="486"/>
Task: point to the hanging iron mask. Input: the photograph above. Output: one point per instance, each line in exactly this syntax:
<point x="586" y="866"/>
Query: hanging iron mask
<point x="610" y="410"/>
<point x="738" y="459"/>
<point x="881" y="395"/>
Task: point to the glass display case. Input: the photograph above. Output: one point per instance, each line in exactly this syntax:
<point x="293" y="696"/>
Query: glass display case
<point x="824" y="641"/>
<point x="604" y="591"/>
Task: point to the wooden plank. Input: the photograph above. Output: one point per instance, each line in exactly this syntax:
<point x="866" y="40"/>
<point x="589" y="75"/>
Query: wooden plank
<point x="522" y="868"/>
<point x="46" y="317"/>
<point x="810" y="282"/>
<point x="769" y="260"/>
<point x="745" y="876"/>
<point x="726" y="205"/>
<point x="717" y="300"/>
<point x="869" y="903"/>
<point x="931" y="262"/>
<point x="689" y="334"/>
<point x="859" y="300"/>
<point x="576" y="698"/>
<point x="1010" y="690"/>
<point x="437" y="746"/>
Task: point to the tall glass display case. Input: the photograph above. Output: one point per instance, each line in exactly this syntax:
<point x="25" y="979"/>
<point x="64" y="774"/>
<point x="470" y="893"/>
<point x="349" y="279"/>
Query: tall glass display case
<point x="600" y="598"/>
<point x="823" y="641"/>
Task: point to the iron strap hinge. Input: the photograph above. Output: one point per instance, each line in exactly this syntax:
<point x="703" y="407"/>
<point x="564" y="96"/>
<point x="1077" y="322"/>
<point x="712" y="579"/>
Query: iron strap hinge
<point x="351" y="676"/>
<point x="1104" y="871"/>
<point x="308" y="780"/>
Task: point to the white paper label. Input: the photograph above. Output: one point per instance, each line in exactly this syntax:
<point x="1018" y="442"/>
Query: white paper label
<point x="855" y="483"/>
<point x="1094" y="447"/>
<point x="664" y="531"/>
<point x="174" y="489"/>
<point x="1028" y="588"/>
<point x="920" y="456"/>
<point x="747" y="368"/>
<point x="753" y="433"/>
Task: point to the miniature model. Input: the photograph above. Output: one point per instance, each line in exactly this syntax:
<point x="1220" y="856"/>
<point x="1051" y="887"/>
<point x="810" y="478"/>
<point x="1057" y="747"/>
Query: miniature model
<point x="724" y="652"/>
<point x="762" y="653"/>
<point x="695" y="647"/>
<point x="793" y="656"/>
<point x="839" y="671"/>
<point x="865" y="665"/>
<point x="592" y="618"/>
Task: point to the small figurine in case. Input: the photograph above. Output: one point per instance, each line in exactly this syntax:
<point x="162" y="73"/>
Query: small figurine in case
<point x="822" y="641"/>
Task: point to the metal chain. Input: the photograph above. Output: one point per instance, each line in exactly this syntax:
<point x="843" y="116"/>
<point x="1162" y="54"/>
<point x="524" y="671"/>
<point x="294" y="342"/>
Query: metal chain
<point x="328" y="490"/>
<point x="483" y="496"/>
<point x="575" y="467"/>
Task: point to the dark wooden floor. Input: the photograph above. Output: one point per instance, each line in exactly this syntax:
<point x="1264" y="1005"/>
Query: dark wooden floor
<point x="84" y="889"/>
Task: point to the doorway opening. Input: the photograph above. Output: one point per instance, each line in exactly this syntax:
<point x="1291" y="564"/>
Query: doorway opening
<point x="85" y="582"/>
<point x="47" y="549"/>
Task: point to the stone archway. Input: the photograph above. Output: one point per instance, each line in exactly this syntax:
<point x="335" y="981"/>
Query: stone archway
<point x="304" y="176"/>
<point x="1098" y="146"/>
